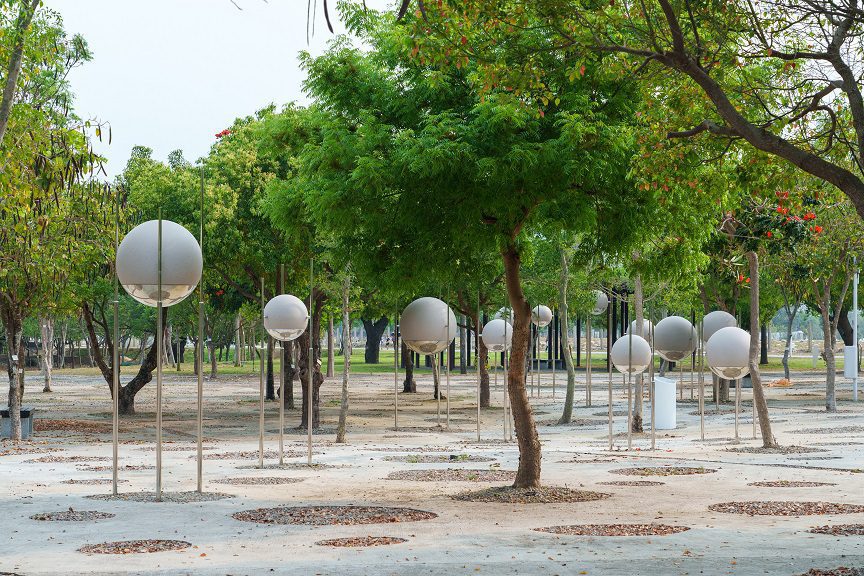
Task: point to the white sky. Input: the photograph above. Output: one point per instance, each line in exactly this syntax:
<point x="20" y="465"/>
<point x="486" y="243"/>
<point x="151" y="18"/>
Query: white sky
<point x="170" y="74"/>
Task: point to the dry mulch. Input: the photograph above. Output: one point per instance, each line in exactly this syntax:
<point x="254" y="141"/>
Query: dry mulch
<point x="790" y="484"/>
<point x="614" y="413"/>
<point x="134" y="547"/>
<point x="176" y="448"/>
<point x="15" y="450"/>
<point x="64" y="425"/>
<point x="543" y="495"/>
<point x="419" y="449"/>
<point x="58" y="459"/>
<point x="663" y="471"/>
<point x="632" y="483"/>
<point x="839" y="530"/>
<point x="292" y="466"/>
<point x="774" y="450"/>
<point x="438" y="458"/>
<point x="785" y="508"/>
<point x="835" y="430"/>
<point x="587" y="422"/>
<point x="173" y="497"/>
<point x="453" y="475"/>
<point x="850" y="443"/>
<point x="615" y="529"/>
<point x="815" y="457"/>
<point x="361" y="541"/>
<point x="126" y="468"/>
<point x="248" y="455"/>
<point x="332" y="515"/>
<point x="257" y="480"/>
<point x="92" y="481"/>
<point x="72" y="516"/>
<point x="588" y="461"/>
<point x="839" y="571"/>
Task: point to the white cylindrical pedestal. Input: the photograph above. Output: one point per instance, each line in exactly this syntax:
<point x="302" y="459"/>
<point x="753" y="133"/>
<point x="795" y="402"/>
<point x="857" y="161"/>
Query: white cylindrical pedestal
<point x="664" y="400"/>
<point x="850" y="362"/>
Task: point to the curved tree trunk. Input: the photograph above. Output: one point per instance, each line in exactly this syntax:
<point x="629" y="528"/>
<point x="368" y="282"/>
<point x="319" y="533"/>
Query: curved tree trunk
<point x="567" y="413"/>
<point x="374" y="330"/>
<point x="408" y="385"/>
<point x="46" y="329"/>
<point x="759" y="399"/>
<point x="528" y="473"/>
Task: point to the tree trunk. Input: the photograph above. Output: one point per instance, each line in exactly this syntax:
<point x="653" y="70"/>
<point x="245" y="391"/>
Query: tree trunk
<point x="374" y="330"/>
<point x="463" y="339"/>
<point x="639" y="305"/>
<point x="13" y="324"/>
<point x="844" y="327"/>
<point x="126" y="398"/>
<point x="768" y="440"/>
<point x="436" y="376"/>
<point x="214" y="367"/>
<point x="567" y="414"/>
<point x="270" y="392"/>
<point x="787" y="350"/>
<point x="238" y="345"/>
<point x="408" y="385"/>
<point x="46" y="328"/>
<point x="346" y="358"/>
<point x="528" y="473"/>
<point x="168" y="347"/>
<point x="305" y="364"/>
<point x="764" y="343"/>
<point x="290" y="372"/>
<point x="331" y="361"/>
<point x="483" y="358"/>
<point x="828" y="349"/>
<point x="61" y="353"/>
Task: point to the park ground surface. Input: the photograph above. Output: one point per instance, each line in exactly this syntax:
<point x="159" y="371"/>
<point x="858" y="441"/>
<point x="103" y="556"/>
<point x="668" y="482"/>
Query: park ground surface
<point x="464" y="537"/>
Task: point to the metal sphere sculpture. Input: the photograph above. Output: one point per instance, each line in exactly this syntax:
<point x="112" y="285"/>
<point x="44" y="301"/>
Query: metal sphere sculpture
<point x="728" y="353"/>
<point x="646" y="329"/>
<point x="497" y="335"/>
<point x="138" y="263"/>
<point x="541" y="315"/>
<point x="424" y="325"/>
<point x="601" y="302"/>
<point x="631" y="354"/>
<point x="674" y="338"/>
<point x="714" y="321"/>
<point x="285" y="317"/>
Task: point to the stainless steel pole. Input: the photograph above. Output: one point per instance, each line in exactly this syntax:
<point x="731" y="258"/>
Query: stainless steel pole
<point x="652" y="388"/>
<point x="446" y="354"/>
<point x="115" y="377"/>
<point x="159" y="352"/>
<point x="554" y="334"/>
<point x="701" y="347"/>
<point x="395" y="369"/>
<point x="588" y="360"/>
<point x="261" y="384"/>
<point x="609" y="363"/>
<point x="282" y="380"/>
<point x="200" y="447"/>
<point x="855" y="328"/>
<point x="311" y="362"/>
<point x="477" y="353"/>
<point x="629" y="385"/>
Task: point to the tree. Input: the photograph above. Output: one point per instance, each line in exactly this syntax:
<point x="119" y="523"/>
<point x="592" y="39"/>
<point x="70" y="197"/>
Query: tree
<point x="463" y="170"/>
<point x="50" y="216"/>
<point x="18" y="36"/>
<point x="784" y="76"/>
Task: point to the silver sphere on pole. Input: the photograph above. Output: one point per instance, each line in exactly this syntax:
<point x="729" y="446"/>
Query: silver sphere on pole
<point x="138" y="262"/>
<point x="541" y="315"/>
<point x="631" y="354"/>
<point x="285" y="317"/>
<point x="728" y="353"/>
<point x="714" y="321"/>
<point x="675" y="338"/>
<point x="646" y="329"/>
<point x="601" y="302"/>
<point x="497" y="335"/>
<point x="428" y="325"/>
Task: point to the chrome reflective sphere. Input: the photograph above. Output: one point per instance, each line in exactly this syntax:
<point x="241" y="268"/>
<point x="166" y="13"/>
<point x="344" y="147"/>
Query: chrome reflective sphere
<point x="285" y="317"/>
<point x="601" y="302"/>
<point x="137" y="263"/>
<point x="424" y="325"/>
<point x="634" y="363"/>
<point x="646" y="328"/>
<point x="497" y="335"/>
<point x="728" y="353"/>
<point x="674" y="338"/>
<point x="541" y="315"/>
<point x="714" y="321"/>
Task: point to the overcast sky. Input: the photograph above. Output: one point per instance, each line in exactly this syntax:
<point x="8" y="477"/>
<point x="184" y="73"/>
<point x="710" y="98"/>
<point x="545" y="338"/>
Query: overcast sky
<point x="170" y="74"/>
